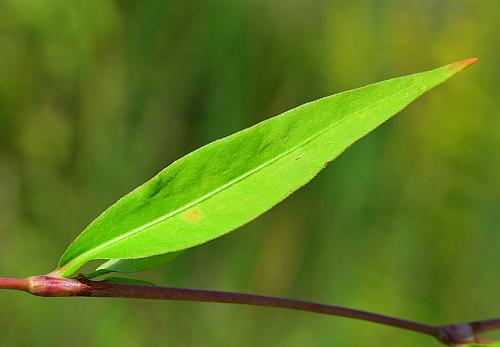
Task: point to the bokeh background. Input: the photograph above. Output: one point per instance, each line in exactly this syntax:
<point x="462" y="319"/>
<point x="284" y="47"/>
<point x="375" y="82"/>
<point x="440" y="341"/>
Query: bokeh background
<point x="98" y="96"/>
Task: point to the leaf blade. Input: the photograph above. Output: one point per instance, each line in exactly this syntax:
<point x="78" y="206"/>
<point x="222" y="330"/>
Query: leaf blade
<point x="212" y="190"/>
<point x="131" y="265"/>
<point x="123" y="280"/>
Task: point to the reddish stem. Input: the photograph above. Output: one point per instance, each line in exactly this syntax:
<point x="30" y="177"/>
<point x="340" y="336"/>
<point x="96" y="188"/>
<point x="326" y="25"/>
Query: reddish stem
<point x="103" y="289"/>
<point x="55" y="287"/>
<point x="14" y="283"/>
<point x="485" y="325"/>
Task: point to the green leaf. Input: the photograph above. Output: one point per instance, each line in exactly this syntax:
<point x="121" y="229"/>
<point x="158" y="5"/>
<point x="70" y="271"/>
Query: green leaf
<point x="131" y="265"/>
<point x="491" y="344"/>
<point x="123" y="280"/>
<point x="229" y="182"/>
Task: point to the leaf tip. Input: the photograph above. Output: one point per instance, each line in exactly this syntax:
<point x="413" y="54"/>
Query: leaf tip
<point x="462" y="64"/>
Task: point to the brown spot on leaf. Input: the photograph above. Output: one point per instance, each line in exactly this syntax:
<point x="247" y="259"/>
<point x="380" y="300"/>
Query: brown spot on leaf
<point x="192" y="215"/>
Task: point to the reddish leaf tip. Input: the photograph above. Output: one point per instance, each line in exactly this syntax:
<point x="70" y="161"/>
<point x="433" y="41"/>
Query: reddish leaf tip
<point x="462" y="64"/>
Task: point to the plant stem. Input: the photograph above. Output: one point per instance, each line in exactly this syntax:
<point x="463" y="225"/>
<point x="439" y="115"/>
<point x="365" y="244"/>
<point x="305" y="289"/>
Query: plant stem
<point x="14" y="283"/>
<point x="103" y="289"/>
<point x="56" y="287"/>
<point x="486" y="325"/>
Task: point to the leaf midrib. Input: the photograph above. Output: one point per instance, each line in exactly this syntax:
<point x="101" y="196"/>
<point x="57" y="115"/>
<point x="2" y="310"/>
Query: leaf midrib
<point x="234" y="181"/>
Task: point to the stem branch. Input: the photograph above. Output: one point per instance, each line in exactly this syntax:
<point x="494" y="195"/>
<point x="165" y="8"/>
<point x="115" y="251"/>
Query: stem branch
<point x="14" y="283"/>
<point x="486" y="325"/>
<point x="453" y="334"/>
<point x="103" y="289"/>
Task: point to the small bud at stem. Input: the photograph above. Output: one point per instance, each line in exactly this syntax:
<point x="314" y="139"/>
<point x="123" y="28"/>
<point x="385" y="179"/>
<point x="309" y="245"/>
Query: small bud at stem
<point x="454" y="334"/>
<point x="53" y="286"/>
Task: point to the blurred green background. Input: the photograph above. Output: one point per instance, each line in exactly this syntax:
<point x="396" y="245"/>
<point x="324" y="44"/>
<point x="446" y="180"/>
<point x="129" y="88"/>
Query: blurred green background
<point x="98" y="96"/>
